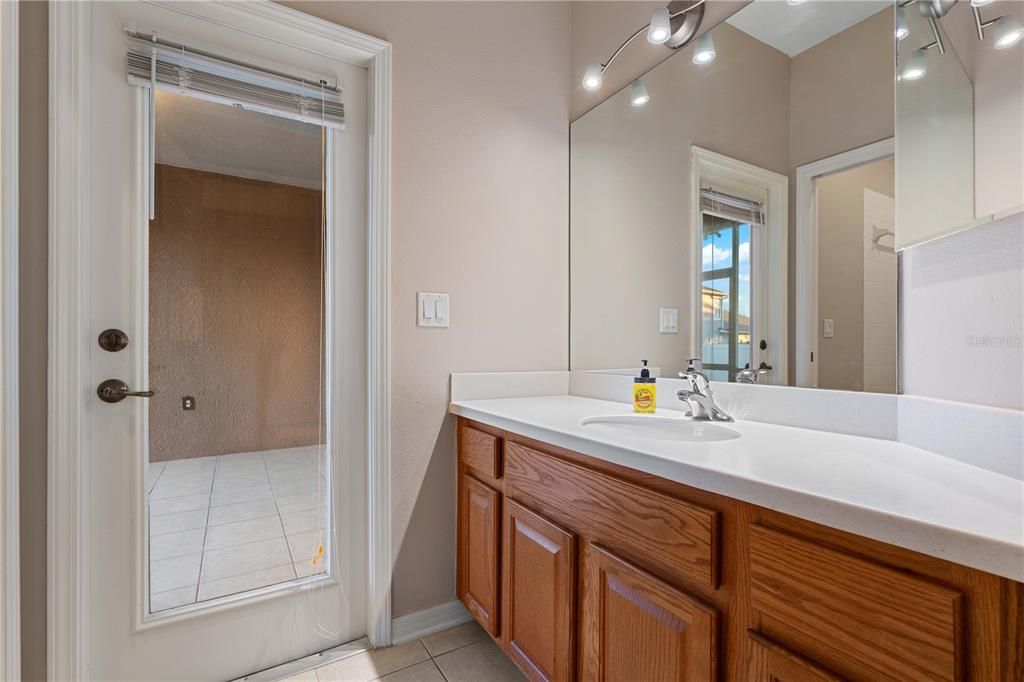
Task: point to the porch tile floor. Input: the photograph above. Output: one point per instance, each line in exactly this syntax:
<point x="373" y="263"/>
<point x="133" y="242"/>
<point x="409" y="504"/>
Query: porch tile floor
<point x="230" y="523"/>
<point x="462" y="654"/>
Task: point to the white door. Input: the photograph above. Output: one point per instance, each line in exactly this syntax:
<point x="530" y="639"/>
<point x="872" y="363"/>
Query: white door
<point x="211" y="499"/>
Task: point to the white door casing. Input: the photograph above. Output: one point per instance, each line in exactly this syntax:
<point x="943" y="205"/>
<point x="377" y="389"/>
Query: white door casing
<point x="97" y="626"/>
<point x="10" y="556"/>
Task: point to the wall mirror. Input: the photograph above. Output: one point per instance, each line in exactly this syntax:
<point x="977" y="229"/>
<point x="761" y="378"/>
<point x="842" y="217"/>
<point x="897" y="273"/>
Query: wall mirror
<point x="959" y="116"/>
<point x="736" y="203"/>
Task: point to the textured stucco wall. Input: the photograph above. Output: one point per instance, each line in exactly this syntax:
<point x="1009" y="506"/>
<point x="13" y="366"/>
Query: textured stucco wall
<point x="234" y="289"/>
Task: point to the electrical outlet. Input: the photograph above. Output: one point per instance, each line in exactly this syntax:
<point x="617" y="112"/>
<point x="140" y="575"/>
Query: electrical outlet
<point x="188" y="403"/>
<point x="829" y="328"/>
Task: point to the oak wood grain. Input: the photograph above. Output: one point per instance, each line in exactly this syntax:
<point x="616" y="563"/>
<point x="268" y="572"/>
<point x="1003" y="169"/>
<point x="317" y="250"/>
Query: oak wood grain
<point x="637" y="627"/>
<point x="480" y="451"/>
<point x="539" y="594"/>
<point x="480" y="525"/>
<point x="677" y="538"/>
<point x="771" y="662"/>
<point x="991" y="610"/>
<point x="873" y="620"/>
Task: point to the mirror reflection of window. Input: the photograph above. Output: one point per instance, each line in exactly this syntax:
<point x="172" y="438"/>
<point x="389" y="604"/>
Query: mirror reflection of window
<point x="725" y="297"/>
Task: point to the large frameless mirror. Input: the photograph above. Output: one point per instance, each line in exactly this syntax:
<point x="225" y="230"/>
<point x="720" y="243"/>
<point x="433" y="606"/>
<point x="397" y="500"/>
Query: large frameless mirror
<point x="736" y="204"/>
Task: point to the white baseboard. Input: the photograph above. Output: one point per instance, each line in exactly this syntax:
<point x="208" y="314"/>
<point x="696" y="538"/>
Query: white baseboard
<point x="428" y="621"/>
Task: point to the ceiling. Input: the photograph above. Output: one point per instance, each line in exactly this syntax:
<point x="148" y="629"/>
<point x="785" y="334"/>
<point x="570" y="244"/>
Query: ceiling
<point x="194" y="133"/>
<point x="794" y="28"/>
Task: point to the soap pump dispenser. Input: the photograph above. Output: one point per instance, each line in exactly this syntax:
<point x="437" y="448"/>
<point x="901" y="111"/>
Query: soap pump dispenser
<point x="644" y="391"/>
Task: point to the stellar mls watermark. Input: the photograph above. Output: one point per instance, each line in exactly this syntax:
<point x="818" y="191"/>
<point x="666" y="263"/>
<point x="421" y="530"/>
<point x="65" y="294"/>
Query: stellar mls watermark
<point x="995" y="341"/>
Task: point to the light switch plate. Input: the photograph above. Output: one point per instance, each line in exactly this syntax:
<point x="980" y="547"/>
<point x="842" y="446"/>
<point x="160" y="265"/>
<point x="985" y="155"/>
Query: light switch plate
<point x="829" y="328"/>
<point x="432" y="310"/>
<point x="668" y="320"/>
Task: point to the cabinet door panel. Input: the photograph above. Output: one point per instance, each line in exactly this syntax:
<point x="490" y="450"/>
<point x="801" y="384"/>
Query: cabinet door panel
<point x="479" y="551"/>
<point x="636" y="627"/>
<point x="539" y="604"/>
<point x="770" y="662"/>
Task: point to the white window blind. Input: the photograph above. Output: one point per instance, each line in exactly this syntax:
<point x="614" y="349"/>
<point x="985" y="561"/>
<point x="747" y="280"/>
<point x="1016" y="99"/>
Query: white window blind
<point x="191" y="72"/>
<point x="744" y="211"/>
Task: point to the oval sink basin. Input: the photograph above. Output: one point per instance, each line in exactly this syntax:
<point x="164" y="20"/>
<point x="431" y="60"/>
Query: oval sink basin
<point x="659" y="428"/>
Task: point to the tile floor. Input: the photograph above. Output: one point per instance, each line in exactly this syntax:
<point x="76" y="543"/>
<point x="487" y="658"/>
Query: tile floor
<point x="462" y="654"/>
<point x="229" y="523"/>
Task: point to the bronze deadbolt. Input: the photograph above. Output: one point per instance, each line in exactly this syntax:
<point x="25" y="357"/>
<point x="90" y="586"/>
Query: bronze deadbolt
<point x="113" y="340"/>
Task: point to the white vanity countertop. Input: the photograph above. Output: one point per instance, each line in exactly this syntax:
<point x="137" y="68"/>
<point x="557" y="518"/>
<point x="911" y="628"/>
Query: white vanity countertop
<point x="881" y="489"/>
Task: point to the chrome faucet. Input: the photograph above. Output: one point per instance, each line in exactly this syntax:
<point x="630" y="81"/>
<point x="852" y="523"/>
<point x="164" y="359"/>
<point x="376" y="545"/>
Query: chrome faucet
<point x="750" y="376"/>
<point x="698" y="396"/>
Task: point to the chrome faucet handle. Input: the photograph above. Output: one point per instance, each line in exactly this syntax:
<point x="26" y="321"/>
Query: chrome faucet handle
<point x="699" y="381"/>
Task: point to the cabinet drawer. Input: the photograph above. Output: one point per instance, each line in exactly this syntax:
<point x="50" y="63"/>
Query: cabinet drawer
<point x="862" y="619"/>
<point x="479" y="551"/>
<point x="480" y="451"/>
<point x="676" y="538"/>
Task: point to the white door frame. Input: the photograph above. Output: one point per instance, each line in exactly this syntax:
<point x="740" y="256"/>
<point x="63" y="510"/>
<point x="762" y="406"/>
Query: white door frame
<point x="68" y="485"/>
<point x="807" y="248"/>
<point x="770" y="257"/>
<point x="10" y="555"/>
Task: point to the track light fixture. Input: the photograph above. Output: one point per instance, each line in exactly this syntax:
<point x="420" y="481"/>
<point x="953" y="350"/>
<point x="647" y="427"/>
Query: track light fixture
<point x="660" y="28"/>
<point x="704" y="50"/>
<point x="673" y="26"/>
<point x="638" y="94"/>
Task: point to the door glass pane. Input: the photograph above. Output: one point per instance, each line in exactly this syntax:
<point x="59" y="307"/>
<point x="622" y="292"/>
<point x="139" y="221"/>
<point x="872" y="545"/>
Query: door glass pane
<point x="237" y="463"/>
<point x="743" y="329"/>
<point x="725" y="297"/>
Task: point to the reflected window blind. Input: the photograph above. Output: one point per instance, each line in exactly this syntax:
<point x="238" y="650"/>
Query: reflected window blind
<point x="731" y="207"/>
<point x="179" y="69"/>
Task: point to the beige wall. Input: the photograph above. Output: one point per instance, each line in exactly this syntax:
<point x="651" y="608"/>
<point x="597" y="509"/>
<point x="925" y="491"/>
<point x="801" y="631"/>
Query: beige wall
<point x="235" y="320"/>
<point x="480" y="207"/>
<point x="32" y="256"/>
<point x="841" y="264"/>
<point x="630" y="194"/>
<point x="598" y="28"/>
<point x="841" y="98"/>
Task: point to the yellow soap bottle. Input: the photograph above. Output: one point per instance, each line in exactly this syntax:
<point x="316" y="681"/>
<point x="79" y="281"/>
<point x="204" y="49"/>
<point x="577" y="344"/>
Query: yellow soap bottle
<point x="645" y="392"/>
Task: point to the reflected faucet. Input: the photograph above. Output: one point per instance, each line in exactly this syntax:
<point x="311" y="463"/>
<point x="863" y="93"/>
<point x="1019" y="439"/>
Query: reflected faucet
<point x="699" y="396"/>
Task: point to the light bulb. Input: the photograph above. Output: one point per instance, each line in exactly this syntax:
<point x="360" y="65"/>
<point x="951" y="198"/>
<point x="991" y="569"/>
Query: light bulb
<point x="659" y="30"/>
<point x="704" y="50"/>
<point x="902" y="30"/>
<point x="916" y="66"/>
<point x="592" y="77"/>
<point x="638" y="94"/>
<point x="1007" y="31"/>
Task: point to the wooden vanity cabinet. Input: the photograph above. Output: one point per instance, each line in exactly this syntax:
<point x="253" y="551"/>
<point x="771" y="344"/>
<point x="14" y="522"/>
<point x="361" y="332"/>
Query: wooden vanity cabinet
<point x="539" y="594"/>
<point x="585" y="570"/>
<point x="637" y="627"/>
<point x="479" y="551"/>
